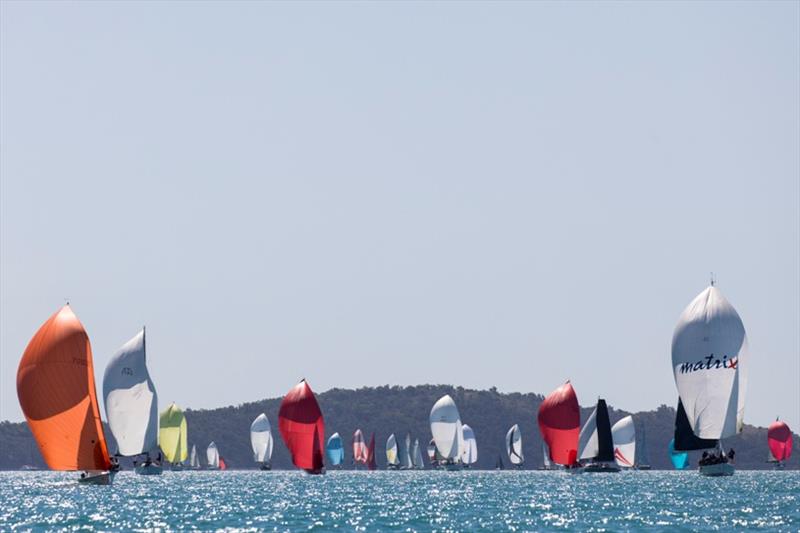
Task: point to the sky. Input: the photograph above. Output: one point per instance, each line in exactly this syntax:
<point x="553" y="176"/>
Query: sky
<point x="478" y="194"/>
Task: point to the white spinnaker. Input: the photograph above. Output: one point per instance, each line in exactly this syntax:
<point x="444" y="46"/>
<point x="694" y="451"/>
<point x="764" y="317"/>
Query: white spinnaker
<point x="624" y="435"/>
<point x="261" y="439"/>
<point x="588" y="447"/>
<point x="446" y="428"/>
<point x="708" y="338"/>
<point x="514" y="445"/>
<point x="391" y="450"/>
<point x="130" y="399"/>
<point x="212" y="455"/>
<point x="470" y="455"/>
<point x="194" y="461"/>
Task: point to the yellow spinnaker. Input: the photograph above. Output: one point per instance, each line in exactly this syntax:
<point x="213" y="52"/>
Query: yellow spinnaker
<point x="172" y="434"/>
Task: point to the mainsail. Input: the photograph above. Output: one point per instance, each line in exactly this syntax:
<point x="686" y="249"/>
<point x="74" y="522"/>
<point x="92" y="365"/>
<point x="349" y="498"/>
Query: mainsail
<point x="212" y="455"/>
<point x="416" y="456"/>
<point x="407" y="460"/>
<point x="685" y="440"/>
<point x="546" y="456"/>
<point x="172" y="435"/>
<point x="55" y="386"/>
<point x="680" y="460"/>
<point x="779" y="439"/>
<point x="623" y="434"/>
<point x="303" y="428"/>
<point x="514" y="445"/>
<point x="391" y="451"/>
<point x="194" y="460"/>
<point x="261" y="439"/>
<point x="446" y="428"/>
<point x="130" y="399"/>
<point x="595" y="442"/>
<point x="559" y="420"/>
<point x="470" y="452"/>
<point x="710" y="361"/>
<point x="335" y="450"/>
<point x="360" y="452"/>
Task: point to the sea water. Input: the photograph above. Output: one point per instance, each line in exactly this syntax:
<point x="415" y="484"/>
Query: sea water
<point x="407" y="501"/>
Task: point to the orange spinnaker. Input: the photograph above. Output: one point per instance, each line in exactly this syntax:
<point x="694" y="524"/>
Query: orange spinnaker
<point x="55" y="386"/>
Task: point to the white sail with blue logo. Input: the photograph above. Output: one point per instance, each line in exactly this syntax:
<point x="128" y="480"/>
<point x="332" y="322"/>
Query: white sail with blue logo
<point x="709" y="361"/>
<point x="130" y="399"/>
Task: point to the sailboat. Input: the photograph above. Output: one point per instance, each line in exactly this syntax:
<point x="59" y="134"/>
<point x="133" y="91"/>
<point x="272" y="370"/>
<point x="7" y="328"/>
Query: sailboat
<point x="360" y="452"/>
<point x="547" y="464"/>
<point x="212" y="456"/>
<point x="469" y="455"/>
<point x="642" y="457"/>
<point x="371" y="462"/>
<point x="303" y="428"/>
<point x="514" y="446"/>
<point x="335" y="450"/>
<point x="55" y="386"/>
<point x="680" y="460"/>
<point x="779" y="439"/>
<point x="709" y="362"/>
<point x="172" y="436"/>
<point x="498" y="465"/>
<point x="416" y="456"/>
<point x="559" y="419"/>
<point x="595" y="444"/>
<point x="407" y="462"/>
<point x="623" y="435"/>
<point x="194" y="460"/>
<point x="132" y="405"/>
<point x="261" y="441"/>
<point x="433" y="453"/>
<point x="447" y="432"/>
<point x="392" y="459"/>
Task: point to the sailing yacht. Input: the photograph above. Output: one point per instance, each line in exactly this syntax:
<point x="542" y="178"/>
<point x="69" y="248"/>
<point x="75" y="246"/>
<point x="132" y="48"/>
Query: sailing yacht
<point x="642" y="457"/>
<point x="710" y="363"/>
<point x="407" y="462"/>
<point x="514" y="446"/>
<point x="55" y="386"/>
<point x="779" y="439"/>
<point x="416" y="456"/>
<point x="132" y="405"/>
<point x="302" y="428"/>
<point x="212" y="456"/>
<point x="392" y="453"/>
<point x="448" y="432"/>
<point x="194" y="460"/>
<point x="623" y="435"/>
<point x="261" y="441"/>
<point x="360" y="451"/>
<point x="559" y="419"/>
<point x="595" y="444"/>
<point x="469" y="455"/>
<point x="172" y="436"/>
<point x="335" y="450"/>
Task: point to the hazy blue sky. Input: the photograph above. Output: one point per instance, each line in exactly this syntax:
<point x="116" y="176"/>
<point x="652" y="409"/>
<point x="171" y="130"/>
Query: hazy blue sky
<point x="508" y="194"/>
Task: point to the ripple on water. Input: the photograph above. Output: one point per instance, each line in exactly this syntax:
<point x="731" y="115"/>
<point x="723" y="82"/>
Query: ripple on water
<point x="407" y="501"/>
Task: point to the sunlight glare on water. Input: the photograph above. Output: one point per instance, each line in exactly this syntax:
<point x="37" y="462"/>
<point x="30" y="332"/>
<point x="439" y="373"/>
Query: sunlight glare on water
<point x="408" y="501"/>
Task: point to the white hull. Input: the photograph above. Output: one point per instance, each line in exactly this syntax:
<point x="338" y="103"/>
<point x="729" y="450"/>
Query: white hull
<point x="717" y="470"/>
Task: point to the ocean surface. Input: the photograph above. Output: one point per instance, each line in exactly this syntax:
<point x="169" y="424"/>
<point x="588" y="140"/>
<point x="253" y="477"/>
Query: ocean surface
<point x="404" y="501"/>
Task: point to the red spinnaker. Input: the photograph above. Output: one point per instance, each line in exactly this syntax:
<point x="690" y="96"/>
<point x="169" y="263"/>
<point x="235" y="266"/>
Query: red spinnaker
<point x="303" y="428"/>
<point x="222" y="465"/>
<point x="371" y="454"/>
<point x="779" y="438"/>
<point x="559" y="423"/>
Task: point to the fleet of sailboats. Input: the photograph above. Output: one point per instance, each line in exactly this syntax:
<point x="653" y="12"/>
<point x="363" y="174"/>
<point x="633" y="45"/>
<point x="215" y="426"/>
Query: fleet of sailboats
<point x="56" y="389"/>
